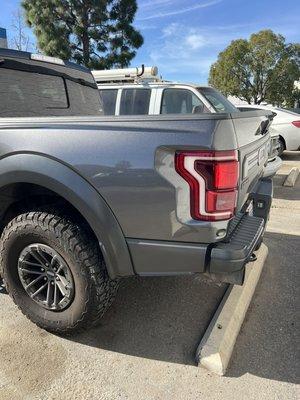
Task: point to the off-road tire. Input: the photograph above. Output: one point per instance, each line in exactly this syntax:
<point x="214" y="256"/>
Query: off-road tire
<point x="94" y="290"/>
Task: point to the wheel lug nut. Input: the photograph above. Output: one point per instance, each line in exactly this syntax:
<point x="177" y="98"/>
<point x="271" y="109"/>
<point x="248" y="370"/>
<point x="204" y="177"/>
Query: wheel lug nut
<point x="45" y="279"/>
<point x="42" y="269"/>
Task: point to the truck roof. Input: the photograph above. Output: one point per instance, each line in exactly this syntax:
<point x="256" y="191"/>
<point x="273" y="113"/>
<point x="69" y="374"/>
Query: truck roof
<point x="39" y="57"/>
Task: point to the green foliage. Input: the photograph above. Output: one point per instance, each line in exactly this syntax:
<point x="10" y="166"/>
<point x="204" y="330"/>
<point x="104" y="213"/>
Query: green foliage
<point x="262" y="68"/>
<point x="125" y="39"/>
<point x="96" y="33"/>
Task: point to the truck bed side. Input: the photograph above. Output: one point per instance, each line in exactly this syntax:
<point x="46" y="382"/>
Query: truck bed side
<point x="118" y="157"/>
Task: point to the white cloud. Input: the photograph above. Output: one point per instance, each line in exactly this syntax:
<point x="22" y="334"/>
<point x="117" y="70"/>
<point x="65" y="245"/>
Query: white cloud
<point x="177" y="35"/>
<point x="156" y="3"/>
<point x="181" y="43"/>
<point x="195" y="41"/>
<point x="146" y="27"/>
<point x="168" y="13"/>
<point x="171" y="29"/>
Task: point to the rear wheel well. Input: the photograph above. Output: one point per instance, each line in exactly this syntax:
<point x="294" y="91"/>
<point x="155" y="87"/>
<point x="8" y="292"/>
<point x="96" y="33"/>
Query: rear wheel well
<point x="18" y="198"/>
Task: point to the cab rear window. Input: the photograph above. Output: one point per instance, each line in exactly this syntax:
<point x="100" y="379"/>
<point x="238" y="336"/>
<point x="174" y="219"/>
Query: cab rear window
<point x="28" y="92"/>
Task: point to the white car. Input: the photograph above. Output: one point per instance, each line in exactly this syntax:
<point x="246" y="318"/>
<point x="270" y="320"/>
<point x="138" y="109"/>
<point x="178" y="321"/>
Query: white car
<point x="286" y="124"/>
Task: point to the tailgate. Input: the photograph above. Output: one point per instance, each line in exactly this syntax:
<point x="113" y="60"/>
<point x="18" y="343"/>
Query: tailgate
<point x="253" y="139"/>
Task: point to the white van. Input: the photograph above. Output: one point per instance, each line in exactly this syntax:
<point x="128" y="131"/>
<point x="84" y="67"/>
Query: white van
<point x="139" y="91"/>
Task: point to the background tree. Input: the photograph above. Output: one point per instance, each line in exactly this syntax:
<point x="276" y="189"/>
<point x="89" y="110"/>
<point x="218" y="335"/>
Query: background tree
<point x="85" y="31"/>
<point x="124" y="38"/>
<point x="261" y="69"/>
<point x="20" y="39"/>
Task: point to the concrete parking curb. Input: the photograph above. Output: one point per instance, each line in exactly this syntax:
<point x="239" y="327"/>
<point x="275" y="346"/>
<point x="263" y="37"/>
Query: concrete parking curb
<point x="216" y="346"/>
<point x="290" y="180"/>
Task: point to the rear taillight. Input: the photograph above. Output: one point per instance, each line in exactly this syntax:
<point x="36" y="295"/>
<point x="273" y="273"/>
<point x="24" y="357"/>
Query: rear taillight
<point x="296" y="123"/>
<point x="213" y="179"/>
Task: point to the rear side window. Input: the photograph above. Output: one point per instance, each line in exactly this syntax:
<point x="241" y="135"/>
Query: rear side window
<point x="135" y="101"/>
<point x="27" y="93"/>
<point x="181" y="101"/>
<point x="108" y="98"/>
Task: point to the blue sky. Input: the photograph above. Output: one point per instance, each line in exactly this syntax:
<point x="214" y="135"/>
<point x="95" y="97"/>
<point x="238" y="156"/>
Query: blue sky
<point x="184" y="37"/>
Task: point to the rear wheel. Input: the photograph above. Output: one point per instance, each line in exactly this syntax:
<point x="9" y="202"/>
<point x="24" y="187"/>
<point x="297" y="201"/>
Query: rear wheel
<point x="54" y="271"/>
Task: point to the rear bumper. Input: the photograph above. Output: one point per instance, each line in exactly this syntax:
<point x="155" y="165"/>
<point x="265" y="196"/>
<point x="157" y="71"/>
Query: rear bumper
<point x="237" y="250"/>
<point x="229" y="258"/>
<point x="224" y="261"/>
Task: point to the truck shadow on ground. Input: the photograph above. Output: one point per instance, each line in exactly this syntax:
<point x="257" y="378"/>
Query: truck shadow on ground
<point x="164" y="318"/>
<point x="267" y="343"/>
<point x="157" y="318"/>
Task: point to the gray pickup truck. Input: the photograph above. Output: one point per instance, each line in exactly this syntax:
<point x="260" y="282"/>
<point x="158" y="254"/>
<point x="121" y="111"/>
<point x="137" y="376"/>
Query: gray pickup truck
<point x="86" y="200"/>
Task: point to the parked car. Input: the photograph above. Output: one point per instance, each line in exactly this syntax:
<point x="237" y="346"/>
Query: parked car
<point x="286" y="124"/>
<point x="87" y="200"/>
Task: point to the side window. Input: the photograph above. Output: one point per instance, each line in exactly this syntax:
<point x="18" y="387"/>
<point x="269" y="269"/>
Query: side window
<point x="181" y="101"/>
<point x="28" y="93"/>
<point x="135" y="101"/>
<point x="108" y="98"/>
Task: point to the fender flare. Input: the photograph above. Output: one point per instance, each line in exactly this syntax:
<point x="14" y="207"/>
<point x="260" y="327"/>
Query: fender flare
<point x="68" y="184"/>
